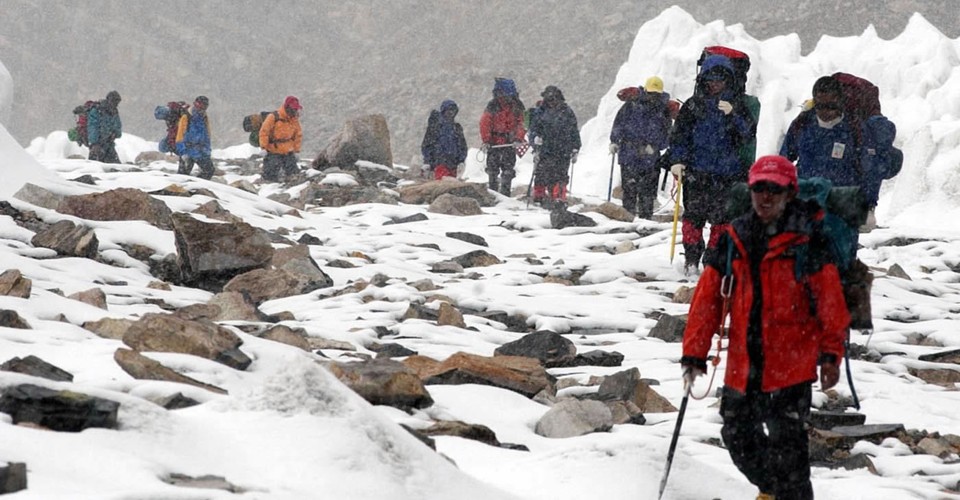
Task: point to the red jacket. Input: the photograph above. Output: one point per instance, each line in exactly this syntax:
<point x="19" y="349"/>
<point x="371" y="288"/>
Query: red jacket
<point x="502" y="122"/>
<point x="793" y="337"/>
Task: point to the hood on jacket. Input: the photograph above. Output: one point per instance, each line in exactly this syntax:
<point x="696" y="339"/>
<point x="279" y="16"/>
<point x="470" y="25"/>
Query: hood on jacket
<point x="449" y="105"/>
<point x="712" y="67"/>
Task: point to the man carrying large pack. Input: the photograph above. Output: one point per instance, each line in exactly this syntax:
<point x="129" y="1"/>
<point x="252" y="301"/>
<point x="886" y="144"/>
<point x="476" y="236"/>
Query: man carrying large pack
<point x="501" y="127"/>
<point x="706" y="151"/>
<point x="280" y="137"/>
<point x="104" y="128"/>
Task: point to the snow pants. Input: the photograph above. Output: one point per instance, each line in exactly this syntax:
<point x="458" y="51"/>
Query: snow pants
<point x="704" y="200"/>
<point x="775" y="458"/>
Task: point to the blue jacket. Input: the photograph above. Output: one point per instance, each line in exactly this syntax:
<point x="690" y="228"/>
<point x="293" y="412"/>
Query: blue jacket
<point x="103" y="124"/>
<point x="641" y="122"/>
<point x="193" y="135"/>
<point x="879" y="159"/>
<point x="703" y="138"/>
<point x="832" y="154"/>
<point x="443" y="142"/>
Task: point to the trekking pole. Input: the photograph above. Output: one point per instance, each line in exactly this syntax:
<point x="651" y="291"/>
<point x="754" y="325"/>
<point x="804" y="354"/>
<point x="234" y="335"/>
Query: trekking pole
<point x="570" y="187"/>
<point x="676" y="216"/>
<point x="613" y="159"/>
<point x="846" y="359"/>
<point x="533" y="174"/>
<point x="673" y="441"/>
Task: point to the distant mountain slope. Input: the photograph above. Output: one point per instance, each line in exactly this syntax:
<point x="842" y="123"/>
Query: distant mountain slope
<point x="349" y="58"/>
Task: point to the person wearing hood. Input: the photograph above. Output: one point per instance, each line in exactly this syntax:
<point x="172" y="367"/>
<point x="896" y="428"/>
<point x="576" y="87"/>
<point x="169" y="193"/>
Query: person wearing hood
<point x="556" y="142"/>
<point x="640" y="131"/>
<point x="501" y="127"/>
<point x="104" y="128"/>
<point x="193" y="139"/>
<point x="705" y="151"/>
<point x="444" y="146"/>
<point x="280" y="137"/>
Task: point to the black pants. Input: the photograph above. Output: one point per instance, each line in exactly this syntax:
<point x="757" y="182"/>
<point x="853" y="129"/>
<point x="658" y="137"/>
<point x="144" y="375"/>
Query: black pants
<point x="552" y="170"/>
<point x="205" y="164"/>
<point x="704" y="200"/>
<point x="501" y="162"/>
<point x="639" y="188"/>
<point x="766" y="436"/>
<point x="105" y="153"/>
<point x="274" y="163"/>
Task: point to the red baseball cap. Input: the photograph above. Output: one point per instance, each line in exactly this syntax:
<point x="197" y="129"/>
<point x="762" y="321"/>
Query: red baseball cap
<point x="292" y="102"/>
<point x="775" y="169"/>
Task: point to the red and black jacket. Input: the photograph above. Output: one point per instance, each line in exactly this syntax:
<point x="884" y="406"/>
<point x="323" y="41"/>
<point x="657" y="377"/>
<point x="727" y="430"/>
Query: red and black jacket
<point x="786" y="307"/>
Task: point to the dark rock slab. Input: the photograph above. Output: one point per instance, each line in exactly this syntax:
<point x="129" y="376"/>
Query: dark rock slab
<point x="32" y="365"/>
<point x="550" y="348"/>
<point x="827" y="420"/>
<point x="468" y="237"/>
<point x="13" y="477"/>
<point x="669" y="328"/>
<point x="58" y="410"/>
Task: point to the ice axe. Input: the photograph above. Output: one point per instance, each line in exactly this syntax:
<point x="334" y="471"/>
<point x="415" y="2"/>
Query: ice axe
<point x="613" y="159"/>
<point x="676" y="216"/>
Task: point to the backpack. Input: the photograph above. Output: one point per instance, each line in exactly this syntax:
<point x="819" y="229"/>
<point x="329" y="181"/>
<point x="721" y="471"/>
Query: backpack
<point x="741" y="65"/>
<point x="627" y="94"/>
<point x="252" y="124"/>
<point x="78" y="133"/>
<point x="840" y="209"/>
<point x="875" y="133"/>
<point x="170" y="114"/>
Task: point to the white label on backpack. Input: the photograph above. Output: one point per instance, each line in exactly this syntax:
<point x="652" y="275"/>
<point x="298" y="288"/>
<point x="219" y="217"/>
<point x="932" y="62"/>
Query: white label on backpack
<point x="838" y="148"/>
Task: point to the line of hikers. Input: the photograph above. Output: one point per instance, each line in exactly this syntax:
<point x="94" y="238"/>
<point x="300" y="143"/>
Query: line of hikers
<point x="278" y="133"/>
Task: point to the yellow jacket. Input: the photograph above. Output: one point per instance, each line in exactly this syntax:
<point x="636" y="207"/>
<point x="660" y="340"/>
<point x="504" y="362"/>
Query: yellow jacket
<point x="281" y="133"/>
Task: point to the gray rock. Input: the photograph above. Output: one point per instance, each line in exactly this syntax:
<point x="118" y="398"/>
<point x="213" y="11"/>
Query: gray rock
<point x="599" y="358"/>
<point x="827" y="420"/>
<point x="475" y="432"/>
<point x="477" y="258"/>
<point x="209" y="254"/>
<point x="13" y="477"/>
<point x="449" y="204"/>
<point x="169" y="333"/>
<point x="669" y="328"/>
<point x="573" y="417"/>
<point x="32" y="365"/>
<point x="11" y="319"/>
<point x="67" y="238"/>
<point x="417" y="217"/>
<point x="550" y="348"/>
<point x="362" y="138"/>
<point x="384" y="382"/>
<point x="468" y="237"/>
<point x="118" y="204"/>
<point x="141" y="367"/>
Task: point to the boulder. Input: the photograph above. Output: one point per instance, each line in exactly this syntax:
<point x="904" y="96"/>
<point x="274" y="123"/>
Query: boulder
<point x="468" y="237"/>
<point x="573" y="417"/>
<point x="523" y="375"/>
<point x="118" y="204"/>
<point x="628" y="386"/>
<point x="449" y="315"/>
<point x="449" y="204"/>
<point x="475" y="432"/>
<point x="41" y="197"/>
<point x="669" y="328"/>
<point x="296" y="337"/>
<point x="109" y="328"/>
<point x="550" y="348"/>
<point x="58" y="410"/>
<point x="10" y="319"/>
<point x="614" y="211"/>
<point x="32" y="365"/>
<point x="217" y="250"/>
<point x="141" y="367"/>
<point x="261" y="285"/>
<point x="384" y="382"/>
<point x="427" y="192"/>
<point x="13" y="284"/>
<point x="562" y="218"/>
<point x="363" y="138"/>
<point x="169" y="333"/>
<point x="477" y="258"/>
<point x="213" y="210"/>
<point x="69" y="239"/>
<point x="13" y="477"/>
<point x="94" y="297"/>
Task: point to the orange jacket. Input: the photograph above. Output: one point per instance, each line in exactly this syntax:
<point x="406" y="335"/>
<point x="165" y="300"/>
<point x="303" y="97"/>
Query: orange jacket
<point x="793" y="335"/>
<point x="502" y="122"/>
<point x="281" y="134"/>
